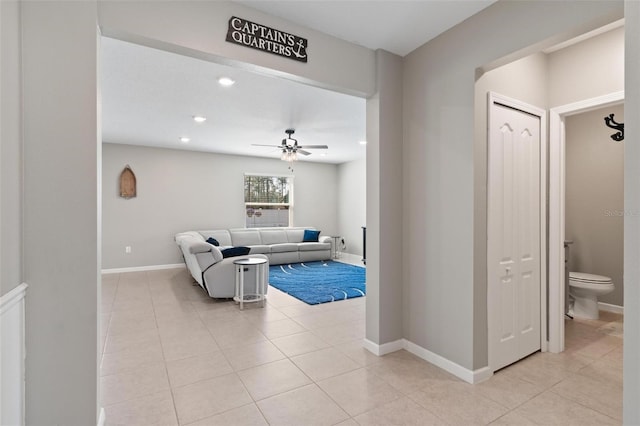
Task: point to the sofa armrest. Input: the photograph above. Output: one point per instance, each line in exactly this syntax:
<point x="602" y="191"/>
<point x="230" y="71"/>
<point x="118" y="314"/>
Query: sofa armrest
<point x="324" y="239"/>
<point x="196" y="247"/>
<point x="208" y="259"/>
<point x="199" y="247"/>
<point x="198" y="255"/>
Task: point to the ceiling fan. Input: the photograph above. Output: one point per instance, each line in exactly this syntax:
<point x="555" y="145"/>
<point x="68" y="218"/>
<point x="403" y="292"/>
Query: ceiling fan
<point x="290" y="147"/>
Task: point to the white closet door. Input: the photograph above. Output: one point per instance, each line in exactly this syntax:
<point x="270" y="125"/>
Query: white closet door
<point x="514" y="231"/>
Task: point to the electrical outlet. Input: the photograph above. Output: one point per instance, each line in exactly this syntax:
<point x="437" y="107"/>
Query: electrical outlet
<point x="127" y="249"/>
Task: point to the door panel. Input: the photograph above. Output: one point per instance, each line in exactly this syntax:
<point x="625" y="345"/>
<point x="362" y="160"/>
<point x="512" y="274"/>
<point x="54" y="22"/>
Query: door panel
<point x="514" y="226"/>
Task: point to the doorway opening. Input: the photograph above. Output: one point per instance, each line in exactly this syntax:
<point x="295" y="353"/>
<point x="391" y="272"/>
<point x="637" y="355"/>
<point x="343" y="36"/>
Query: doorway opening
<point x="173" y="171"/>
<point x="557" y="208"/>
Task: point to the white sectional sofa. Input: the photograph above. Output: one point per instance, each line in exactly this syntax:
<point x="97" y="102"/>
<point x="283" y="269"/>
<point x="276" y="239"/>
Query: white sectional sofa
<point x="216" y="274"/>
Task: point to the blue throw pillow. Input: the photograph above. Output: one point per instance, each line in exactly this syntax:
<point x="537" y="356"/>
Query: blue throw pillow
<point x="213" y="241"/>
<point x="310" y="236"/>
<point x="235" y="251"/>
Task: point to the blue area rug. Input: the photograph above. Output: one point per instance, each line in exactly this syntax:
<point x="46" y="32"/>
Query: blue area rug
<point x="319" y="282"/>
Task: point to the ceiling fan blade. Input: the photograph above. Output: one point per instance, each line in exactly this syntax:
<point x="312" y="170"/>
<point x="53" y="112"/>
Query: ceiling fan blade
<point x="302" y="151"/>
<point x="272" y="146"/>
<point x="314" y="146"/>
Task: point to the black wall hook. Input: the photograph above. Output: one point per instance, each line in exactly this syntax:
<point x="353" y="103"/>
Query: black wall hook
<point x="610" y="122"/>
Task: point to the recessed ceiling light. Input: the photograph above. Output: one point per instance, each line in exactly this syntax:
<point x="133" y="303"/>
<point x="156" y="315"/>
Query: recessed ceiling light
<point x="363" y="142"/>
<point x="226" y="81"/>
<point x="323" y="154"/>
<point x="184" y="139"/>
<point x="199" y="118"/>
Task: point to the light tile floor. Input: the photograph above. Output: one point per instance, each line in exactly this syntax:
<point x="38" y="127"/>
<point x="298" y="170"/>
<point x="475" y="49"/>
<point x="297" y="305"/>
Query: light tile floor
<point x="173" y="356"/>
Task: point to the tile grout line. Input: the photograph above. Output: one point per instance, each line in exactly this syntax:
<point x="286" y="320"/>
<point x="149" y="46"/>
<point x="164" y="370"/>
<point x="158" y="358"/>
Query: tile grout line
<point x="164" y="361"/>
<point x="583" y="405"/>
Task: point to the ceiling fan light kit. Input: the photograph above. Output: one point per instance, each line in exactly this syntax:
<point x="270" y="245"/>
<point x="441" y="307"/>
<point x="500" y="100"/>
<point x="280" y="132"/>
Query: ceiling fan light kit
<point x="289" y="147"/>
<point x="289" y="155"/>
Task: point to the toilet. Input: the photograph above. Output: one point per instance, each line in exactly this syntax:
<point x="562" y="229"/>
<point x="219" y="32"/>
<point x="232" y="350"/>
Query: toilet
<point x="584" y="290"/>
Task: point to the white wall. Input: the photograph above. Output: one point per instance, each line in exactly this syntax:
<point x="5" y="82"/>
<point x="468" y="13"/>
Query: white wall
<point x="591" y="68"/>
<point x="631" y="413"/>
<point x="186" y="190"/>
<point x="384" y="322"/>
<point x="10" y="149"/>
<point x="352" y="203"/>
<point x="444" y="298"/>
<point x="595" y="210"/>
<point x="60" y="240"/>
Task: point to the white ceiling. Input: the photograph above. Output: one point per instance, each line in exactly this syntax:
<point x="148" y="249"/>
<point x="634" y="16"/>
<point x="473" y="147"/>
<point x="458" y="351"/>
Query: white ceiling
<point x="150" y="96"/>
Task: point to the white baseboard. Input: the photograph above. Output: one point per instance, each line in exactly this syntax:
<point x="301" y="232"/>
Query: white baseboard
<point x="353" y="259"/>
<point x="143" y="268"/>
<point x="385" y="348"/>
<point x="469" y="376"/>
<point x="102" y="420"/>
<point x="611" y="308"/>
<point x="457" y="370"/>
<point x="482" y="374"/>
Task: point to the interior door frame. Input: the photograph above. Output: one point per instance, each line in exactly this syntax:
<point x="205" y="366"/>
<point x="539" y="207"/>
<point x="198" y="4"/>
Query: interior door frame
<point x="492" y="98"/>
<point x="557" y="182"/>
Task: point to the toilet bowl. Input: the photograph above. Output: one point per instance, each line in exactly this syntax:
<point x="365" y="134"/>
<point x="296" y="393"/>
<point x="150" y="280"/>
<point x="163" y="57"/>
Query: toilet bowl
<point x="584" y="290"/>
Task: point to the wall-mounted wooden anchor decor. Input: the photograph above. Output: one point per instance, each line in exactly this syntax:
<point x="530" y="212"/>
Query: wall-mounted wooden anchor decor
<point x="127" y="183"/>
<point x="610" y="122"/>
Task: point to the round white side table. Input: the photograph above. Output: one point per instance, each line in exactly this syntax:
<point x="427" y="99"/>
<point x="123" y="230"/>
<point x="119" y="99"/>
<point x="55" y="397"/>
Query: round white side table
<point x="260" y="290"/>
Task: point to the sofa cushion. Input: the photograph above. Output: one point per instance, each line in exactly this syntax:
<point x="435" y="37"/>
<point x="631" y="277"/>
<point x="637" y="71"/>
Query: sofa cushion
<point x="276" y="236"/>
<point x="235" y="251"/>
<point x="222" y="236"/>
<point x="310" y="236"/>
<point x="245" y="237"/>
<point x="284" y="247"/>
<point x="260" y="249"/>
<point x="188" y="235"/>
<point x="284" y="258"/>
<point x="314" y="246"/>
<point x="295" y="235"/>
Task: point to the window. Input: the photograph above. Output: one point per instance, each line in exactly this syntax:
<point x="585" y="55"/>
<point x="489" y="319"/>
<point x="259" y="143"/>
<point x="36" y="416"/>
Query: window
<point x="268" y="200"/>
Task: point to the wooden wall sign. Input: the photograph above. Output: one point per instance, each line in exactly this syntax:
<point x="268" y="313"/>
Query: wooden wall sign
<point x="257" y="36"/>
<point x="127" y="183"/>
